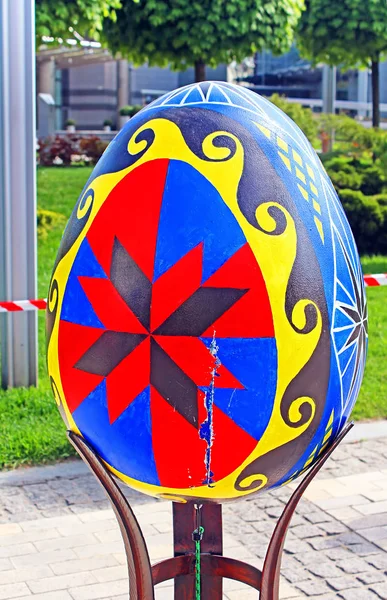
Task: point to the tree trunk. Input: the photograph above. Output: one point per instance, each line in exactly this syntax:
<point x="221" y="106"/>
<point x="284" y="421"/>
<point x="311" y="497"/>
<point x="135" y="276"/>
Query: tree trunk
<point x="375" y="92"/>
<point x="200" y="71"/>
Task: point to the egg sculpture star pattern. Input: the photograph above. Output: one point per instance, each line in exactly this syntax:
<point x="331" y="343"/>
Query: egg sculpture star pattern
<point x="206" y="322"/>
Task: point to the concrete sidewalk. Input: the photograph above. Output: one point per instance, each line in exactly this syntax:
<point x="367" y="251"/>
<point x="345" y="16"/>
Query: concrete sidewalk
<point x="59" y="539"/>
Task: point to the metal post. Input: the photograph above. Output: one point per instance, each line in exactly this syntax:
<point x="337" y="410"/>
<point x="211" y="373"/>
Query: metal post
<point x="329" y="96"/>
<point x="123" y="86"/>
<point x="362" y="90"/>
<point x="46" y="76"/>
<point x="329" y="89"/>
<point x="18" y="332"/>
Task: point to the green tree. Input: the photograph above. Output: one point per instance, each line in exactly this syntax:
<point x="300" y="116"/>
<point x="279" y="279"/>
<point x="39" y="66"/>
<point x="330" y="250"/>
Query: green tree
<point x="55" y="17"/>
<point x="349" y="33"/>
<point x="199" y="32"/>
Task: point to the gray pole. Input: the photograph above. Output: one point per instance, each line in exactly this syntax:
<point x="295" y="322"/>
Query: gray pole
<point x="46" y="76"/>
<point x="18" y="332"/>
<point x="329" y="95"/>
<point x="329" y="88"/>
<point x="362" y="90"/>
<point x="123" y="87"/>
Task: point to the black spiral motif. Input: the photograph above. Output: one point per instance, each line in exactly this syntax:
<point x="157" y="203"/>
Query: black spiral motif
<point x="310" y="312"/>
<point x="258" y="481"/>
<point x="279" y="218"/>
<point x="196" y="125"/>
<point x="305" y="409"/>
<point x="51" y="311"/>
<point x="147" y="136"/>
<point x="219" y="140"/>
<point x="116" y="157"/>
<point x="85" y="202"/>
<point x="76" y="223"/>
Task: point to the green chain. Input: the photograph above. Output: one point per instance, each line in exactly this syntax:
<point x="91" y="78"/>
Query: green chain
<point x="197" y="536"/>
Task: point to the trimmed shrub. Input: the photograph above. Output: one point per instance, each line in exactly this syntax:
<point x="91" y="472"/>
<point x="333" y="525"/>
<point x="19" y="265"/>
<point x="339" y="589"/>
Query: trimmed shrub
<point x="380" y="241"/>
<point x="346" y="129"/>
<point x="70" y="150"/>
<point x="57" y="150"/>
<point x="130" y="110"/>
<point x="361" y="186"/>
<point x="346" y="179"/>
<point x="92" y="147"/>
<point x="338" y="163"/>
<point x="373" y="180"/>
<point x="350" y="133"/>
<point x="47" y="220"/>
<point x="366" y="218"/>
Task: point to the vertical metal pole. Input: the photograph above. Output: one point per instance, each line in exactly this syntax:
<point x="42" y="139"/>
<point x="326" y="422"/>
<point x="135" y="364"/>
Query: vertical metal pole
<point x="329" y="89"/>
<point x="362" y="90"/>
<point x="329" y="95"/>
<point x="18" y="332"/>
<point x="123" y="86"/>
<point x="46" y="76"/>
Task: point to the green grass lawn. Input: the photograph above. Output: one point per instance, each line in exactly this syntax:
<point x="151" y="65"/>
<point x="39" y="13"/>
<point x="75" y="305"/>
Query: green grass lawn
<point x="31" y="430"/>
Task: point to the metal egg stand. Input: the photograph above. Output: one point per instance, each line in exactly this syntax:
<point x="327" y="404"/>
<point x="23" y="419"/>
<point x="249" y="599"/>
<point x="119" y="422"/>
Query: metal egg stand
<point x="198" y="565"/>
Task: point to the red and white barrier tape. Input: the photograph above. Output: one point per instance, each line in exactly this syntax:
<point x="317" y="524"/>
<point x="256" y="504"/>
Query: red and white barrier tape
<point x="372" y="280"/>
<point x="21" y="305"/>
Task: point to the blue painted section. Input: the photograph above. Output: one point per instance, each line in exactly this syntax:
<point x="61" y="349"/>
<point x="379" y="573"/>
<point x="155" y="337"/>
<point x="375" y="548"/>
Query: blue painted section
<point x="342" y="269"/>
<point x="217" y="94"/>
<point x="344" y="296"/>
<point x="127" y="443"/>
<point x="193" y="96"/>
<point x="254" y="363"/>
<point x="348" y="297"/>
<point x="193" y="211"/>
<point x="341" y="338"/>
<point x="76" y="308"/>
<point x="342" y="319"/>
<point x="347" y="361"/>
<point x="177" y="97"/>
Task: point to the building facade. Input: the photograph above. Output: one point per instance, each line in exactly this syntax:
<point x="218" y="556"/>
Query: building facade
<point x="294" y="77"/>
<point x="89" y="94"/>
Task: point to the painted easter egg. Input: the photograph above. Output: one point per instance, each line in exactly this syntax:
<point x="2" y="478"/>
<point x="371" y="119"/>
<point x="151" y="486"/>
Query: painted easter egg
<point x="207" y="323"/>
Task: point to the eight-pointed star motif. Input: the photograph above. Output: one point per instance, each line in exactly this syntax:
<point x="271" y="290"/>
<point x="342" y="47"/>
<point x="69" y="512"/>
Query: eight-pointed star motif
<point x="356" y="312"/>
<point x="154" y="334"/>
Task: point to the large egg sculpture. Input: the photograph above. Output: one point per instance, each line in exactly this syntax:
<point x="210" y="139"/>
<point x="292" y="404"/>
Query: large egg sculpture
<point x="207" y="324"/>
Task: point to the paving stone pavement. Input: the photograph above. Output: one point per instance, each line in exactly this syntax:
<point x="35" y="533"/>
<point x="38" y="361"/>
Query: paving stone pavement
<point x="59" y="539"/>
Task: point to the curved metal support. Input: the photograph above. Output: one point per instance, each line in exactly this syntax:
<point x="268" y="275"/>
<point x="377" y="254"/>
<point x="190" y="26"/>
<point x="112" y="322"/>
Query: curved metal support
<point x="211" y="564"/>
<point x="272" y="566"/>
<point x="214" y="567"/>
<point x="173" y="567"/>
<point x="139" y="568"/>
<point x="230" y="568"/>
